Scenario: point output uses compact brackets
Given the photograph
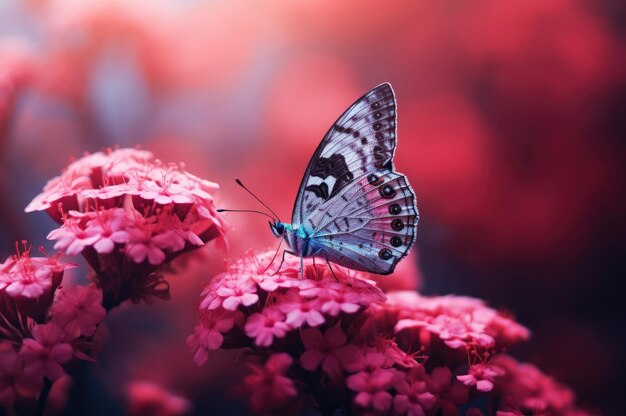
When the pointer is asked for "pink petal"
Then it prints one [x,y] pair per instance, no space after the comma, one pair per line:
[156,256]
[484,385]
[381,400]
[310,359]
[335,337]
[104,245]
[312,339]
[249,299]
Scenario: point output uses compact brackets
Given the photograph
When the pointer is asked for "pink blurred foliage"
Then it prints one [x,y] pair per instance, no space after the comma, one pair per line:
[148,398]
[334,341]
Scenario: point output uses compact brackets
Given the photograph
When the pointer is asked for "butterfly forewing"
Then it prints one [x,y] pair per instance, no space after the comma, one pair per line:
[362,214]
[363,139]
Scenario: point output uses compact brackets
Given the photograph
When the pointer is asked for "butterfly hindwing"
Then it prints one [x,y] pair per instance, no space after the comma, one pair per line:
[363,139]
[370,226]
[360,212]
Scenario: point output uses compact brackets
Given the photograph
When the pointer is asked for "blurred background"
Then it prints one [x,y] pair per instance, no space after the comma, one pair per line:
[512,132]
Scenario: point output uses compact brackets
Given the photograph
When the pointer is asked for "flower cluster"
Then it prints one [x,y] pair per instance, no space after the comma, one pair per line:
[43,325]
[334,339]
[128,215]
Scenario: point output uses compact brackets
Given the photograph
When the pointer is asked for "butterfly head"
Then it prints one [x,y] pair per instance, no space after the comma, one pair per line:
[277,227]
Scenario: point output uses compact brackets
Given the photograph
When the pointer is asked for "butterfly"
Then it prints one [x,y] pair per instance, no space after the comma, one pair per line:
[353,208]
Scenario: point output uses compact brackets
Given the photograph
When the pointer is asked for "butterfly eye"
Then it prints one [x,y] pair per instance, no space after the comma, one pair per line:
[397,224]
[385,254]
[394,209]
[387,191]
[372,179]
[396,241]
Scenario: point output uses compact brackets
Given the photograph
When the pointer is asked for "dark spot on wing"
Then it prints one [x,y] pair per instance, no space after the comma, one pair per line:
[385,254]
[334,166]
[320,191]
[356,134]
[364,141]
[397,224]
[387,191]
[379,152]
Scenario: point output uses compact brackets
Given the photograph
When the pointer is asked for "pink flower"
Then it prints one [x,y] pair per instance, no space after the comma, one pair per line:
[235,292]
[338,298]
[372,388]
[413,397]
[13,382]
[459,321]
[23,276]
[270,283]
[29,283]
[78,310]
[323,350]
[44,354]
[207,334]
[299,310]
[268,386]
[482,376]
[169,193]
[123,204]
[449,392]
[363,359]
[72,238]
[264,326]
[142,244]
[526,389]
[109,226]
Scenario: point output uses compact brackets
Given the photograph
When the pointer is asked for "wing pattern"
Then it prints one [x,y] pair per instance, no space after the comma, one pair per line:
[370,225]
[363,139]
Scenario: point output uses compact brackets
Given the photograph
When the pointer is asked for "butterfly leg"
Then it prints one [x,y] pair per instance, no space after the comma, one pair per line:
[283,260]
[327,262]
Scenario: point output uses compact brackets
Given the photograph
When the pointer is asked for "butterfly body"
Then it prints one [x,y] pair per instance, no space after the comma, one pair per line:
[353,208]
[298,238]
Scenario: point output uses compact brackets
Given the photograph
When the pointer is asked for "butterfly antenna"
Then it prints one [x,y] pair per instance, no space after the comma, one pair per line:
[255,197]
[245,210]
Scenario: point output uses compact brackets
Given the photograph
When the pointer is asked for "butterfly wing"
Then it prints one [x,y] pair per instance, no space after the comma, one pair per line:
[361,211]
[371,226]
[363,139]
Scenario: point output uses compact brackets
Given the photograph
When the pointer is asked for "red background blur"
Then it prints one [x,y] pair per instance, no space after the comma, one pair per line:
[511,132]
